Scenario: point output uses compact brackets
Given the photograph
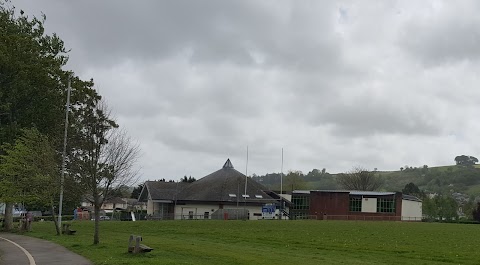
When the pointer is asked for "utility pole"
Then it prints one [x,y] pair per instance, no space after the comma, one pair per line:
[62,177]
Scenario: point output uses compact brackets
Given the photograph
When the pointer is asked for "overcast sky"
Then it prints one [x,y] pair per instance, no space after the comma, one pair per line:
[378,84]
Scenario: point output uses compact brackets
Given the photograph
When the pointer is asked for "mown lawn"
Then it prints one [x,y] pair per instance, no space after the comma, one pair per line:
[274,242]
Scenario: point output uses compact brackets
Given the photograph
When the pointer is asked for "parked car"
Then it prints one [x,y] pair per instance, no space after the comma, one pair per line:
[102,218]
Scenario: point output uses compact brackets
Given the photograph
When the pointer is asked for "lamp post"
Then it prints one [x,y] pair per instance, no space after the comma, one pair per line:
[64,154]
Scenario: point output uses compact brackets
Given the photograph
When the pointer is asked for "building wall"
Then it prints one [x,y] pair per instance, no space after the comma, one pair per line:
[150,207]
[111,206]
[378,216]
[328,203]
[160,210]
[194,211]
[198,211]
[411,210]
[335,205]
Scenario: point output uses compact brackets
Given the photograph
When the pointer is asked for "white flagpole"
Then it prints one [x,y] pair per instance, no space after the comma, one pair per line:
[281,176]
[246,176]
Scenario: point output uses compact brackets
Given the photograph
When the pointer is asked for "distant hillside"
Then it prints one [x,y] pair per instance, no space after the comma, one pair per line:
[443,179]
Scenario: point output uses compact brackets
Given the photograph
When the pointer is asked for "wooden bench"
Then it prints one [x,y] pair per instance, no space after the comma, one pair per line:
[134,245]
[66,229]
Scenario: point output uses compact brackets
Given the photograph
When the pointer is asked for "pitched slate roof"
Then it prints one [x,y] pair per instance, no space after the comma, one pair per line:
[225,185]
[115,200]
[161,190]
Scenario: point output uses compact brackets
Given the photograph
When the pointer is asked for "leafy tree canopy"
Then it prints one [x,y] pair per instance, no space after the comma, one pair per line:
[412,189]
[32,81]
[189,179]
[294,180]
[359,179]
[464,160]
[136,191]
[28,169]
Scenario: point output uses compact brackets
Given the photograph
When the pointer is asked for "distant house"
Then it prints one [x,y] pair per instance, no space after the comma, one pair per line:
[116,203]
[135,205]
[355,205]
[219,195]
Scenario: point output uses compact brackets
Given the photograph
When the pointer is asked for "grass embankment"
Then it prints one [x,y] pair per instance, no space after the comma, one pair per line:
[275,242]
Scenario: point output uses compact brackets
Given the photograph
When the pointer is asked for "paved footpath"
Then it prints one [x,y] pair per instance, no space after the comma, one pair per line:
[25,250]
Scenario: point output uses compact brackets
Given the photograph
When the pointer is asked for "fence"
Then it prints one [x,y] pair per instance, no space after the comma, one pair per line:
[305,217]
[363,218]
[178,217]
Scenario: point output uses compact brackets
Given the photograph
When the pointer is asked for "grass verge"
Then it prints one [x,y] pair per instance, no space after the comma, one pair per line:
[278,242]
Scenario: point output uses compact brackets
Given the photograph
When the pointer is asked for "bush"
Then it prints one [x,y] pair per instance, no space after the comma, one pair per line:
[476,213]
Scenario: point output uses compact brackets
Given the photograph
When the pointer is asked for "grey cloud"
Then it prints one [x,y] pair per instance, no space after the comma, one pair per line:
[206,138]
[215,31]
[445,36]
[367,118]
[335,84]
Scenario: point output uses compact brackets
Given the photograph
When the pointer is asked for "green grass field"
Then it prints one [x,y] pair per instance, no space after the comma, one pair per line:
[274,242]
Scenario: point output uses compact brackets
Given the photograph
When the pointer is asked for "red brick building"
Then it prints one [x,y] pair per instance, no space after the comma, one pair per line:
[355,205]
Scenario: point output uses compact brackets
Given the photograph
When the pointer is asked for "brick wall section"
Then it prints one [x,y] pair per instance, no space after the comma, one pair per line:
[328,203]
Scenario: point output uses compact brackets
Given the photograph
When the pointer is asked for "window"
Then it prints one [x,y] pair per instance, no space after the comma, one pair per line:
[355,204]
[232,195]
[246,196]
[385,205]
[301,202]
[258,196]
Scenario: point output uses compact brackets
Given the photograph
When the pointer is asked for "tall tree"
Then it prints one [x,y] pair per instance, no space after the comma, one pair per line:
[359,179]
[102,157]
[32,91]
[440,208]
[29,170]
[32,82]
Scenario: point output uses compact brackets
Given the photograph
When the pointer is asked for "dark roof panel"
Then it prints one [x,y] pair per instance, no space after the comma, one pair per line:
[161,190]
[220,184]
[215,187]
[228,164]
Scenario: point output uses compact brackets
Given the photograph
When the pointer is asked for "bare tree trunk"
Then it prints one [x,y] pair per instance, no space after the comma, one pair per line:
[8,218]
[96,239]
[55,222]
